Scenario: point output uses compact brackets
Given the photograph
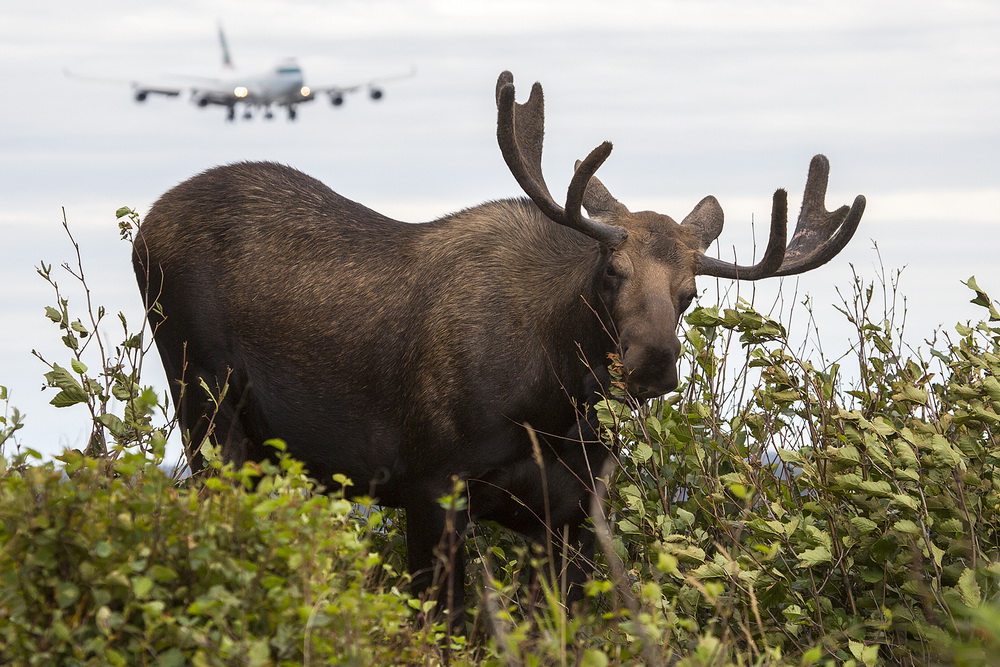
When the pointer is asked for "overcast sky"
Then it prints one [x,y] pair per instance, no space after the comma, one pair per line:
[723,97]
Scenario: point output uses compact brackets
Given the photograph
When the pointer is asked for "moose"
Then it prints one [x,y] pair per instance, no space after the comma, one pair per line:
[471,348]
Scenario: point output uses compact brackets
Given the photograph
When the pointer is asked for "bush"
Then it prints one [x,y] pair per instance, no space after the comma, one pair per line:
[118,565]
[791,515]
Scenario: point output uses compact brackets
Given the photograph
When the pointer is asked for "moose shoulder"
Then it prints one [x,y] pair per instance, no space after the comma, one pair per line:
[406,356]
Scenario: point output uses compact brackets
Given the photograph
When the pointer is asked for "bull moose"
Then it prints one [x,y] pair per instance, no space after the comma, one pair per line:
[406,356]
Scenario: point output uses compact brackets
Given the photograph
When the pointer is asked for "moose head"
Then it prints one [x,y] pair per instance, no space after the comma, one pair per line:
[650,262]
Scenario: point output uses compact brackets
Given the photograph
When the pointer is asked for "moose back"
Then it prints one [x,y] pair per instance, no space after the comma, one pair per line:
[408,356]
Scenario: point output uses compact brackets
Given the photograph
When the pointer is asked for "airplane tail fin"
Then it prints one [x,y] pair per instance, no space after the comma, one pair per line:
[227,60]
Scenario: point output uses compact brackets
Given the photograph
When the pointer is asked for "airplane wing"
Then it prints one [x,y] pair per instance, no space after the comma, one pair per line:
[141,90]
[337,92]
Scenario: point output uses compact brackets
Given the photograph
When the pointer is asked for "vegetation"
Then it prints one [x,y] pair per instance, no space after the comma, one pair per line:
[784,511]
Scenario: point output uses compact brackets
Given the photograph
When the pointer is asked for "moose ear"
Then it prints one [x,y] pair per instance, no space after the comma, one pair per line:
[705,221]
[600,203]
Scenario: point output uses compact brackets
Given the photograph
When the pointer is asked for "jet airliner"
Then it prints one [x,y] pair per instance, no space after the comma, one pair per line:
[284,86]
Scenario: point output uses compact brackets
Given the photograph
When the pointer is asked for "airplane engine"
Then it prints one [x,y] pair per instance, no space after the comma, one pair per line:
[336,99]
[140,95]
[375,93]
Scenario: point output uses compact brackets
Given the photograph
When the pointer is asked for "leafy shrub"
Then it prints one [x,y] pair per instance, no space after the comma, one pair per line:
[816,518]
[122,566]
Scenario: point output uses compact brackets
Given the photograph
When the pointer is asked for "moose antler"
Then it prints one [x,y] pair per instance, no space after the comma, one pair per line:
[520,131]
[819,234]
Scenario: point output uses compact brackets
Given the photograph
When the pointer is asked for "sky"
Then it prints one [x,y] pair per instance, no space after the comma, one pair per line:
[723,97]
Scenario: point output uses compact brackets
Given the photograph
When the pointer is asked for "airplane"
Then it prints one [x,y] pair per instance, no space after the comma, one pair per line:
[284,86]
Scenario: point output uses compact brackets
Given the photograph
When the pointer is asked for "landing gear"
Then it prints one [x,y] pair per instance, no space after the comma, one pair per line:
[268,114]
[291,113]
[230,113]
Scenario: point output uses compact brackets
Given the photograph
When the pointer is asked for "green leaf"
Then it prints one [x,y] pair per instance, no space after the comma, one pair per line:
[812,655]
[594,658]
[937,553]
[992,387]
[982,299]
[162,573]
[944,453]
[72,392]
[66,398]
[853,482]
[813,557]
[141,586]
[868,655]
[67,593]
[848,454]
[904,452]
[172,657]
[786,396]
[684,517]
[704,317]
[642,452]
[863,525]
[113,423]
[882,426]
[968,588]
[906,501]
[789,456]
[912,394]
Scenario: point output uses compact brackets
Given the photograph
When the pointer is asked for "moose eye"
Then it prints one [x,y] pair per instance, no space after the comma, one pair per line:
[685,303]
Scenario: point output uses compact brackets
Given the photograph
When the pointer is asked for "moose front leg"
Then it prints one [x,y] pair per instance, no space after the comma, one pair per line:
[549,505]
[435,541]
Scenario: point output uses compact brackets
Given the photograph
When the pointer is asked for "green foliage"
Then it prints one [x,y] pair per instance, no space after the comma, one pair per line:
[815,519]
[114,379]
[114,563]
[11,420]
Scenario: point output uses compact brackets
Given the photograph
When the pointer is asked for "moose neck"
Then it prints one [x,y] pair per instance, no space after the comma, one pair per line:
[545,280]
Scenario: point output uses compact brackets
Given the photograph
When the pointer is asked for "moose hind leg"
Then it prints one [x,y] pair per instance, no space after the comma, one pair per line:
[211,407]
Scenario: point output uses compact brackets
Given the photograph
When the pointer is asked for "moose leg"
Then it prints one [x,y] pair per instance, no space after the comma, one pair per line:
[435,540]
[550,504]
[211,405]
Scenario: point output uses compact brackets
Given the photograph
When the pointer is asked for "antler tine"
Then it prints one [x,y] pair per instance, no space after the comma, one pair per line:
[611,235]
[819,234]
[774,254]
[520,133]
